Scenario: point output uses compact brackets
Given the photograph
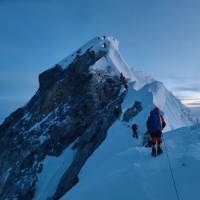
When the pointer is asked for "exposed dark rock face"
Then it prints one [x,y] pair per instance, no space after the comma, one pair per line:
[133,111]
[70,103]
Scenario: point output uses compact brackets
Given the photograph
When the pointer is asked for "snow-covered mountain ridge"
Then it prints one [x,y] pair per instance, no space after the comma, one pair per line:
[71,114]
[161,95]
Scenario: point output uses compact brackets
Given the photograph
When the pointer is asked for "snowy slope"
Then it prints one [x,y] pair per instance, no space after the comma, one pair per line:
[121,168]
[131,173]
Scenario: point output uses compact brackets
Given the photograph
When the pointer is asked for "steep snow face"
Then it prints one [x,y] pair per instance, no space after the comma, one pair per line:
[176,114]
[159,93]
[140,78]
[156,95]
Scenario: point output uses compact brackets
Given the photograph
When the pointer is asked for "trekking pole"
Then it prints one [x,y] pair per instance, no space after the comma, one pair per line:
[171,169]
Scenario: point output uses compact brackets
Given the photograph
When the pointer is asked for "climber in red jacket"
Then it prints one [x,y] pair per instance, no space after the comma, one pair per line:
[134,128]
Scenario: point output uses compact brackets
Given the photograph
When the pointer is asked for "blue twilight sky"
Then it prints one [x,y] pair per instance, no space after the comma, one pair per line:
[159,37]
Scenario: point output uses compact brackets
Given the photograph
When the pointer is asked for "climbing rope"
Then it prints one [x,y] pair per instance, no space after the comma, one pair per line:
[171,170]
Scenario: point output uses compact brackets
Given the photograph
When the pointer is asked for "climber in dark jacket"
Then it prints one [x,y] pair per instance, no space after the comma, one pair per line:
[122,78]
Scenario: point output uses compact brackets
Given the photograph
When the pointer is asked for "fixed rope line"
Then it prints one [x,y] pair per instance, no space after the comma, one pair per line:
[171,171]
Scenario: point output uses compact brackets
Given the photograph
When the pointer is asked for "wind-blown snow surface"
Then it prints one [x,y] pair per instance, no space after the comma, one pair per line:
[121,168]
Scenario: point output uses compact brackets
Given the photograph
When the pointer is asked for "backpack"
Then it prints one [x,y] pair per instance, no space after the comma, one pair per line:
[155,123]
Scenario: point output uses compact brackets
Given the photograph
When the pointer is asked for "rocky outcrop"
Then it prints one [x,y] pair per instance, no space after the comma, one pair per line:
[70,103]
[132,112]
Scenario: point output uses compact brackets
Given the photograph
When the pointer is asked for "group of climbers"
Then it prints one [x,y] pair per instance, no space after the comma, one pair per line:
[155,124]
[118,110]
[123,80]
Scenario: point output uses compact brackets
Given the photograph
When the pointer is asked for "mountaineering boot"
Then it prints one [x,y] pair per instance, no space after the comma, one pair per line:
[153,153]
[159,149]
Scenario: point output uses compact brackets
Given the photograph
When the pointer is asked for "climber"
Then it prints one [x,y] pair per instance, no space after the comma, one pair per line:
[104,45]
[155,125]
[125,81]
[122,78]
[126,86]
[134,128]
[117,111]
